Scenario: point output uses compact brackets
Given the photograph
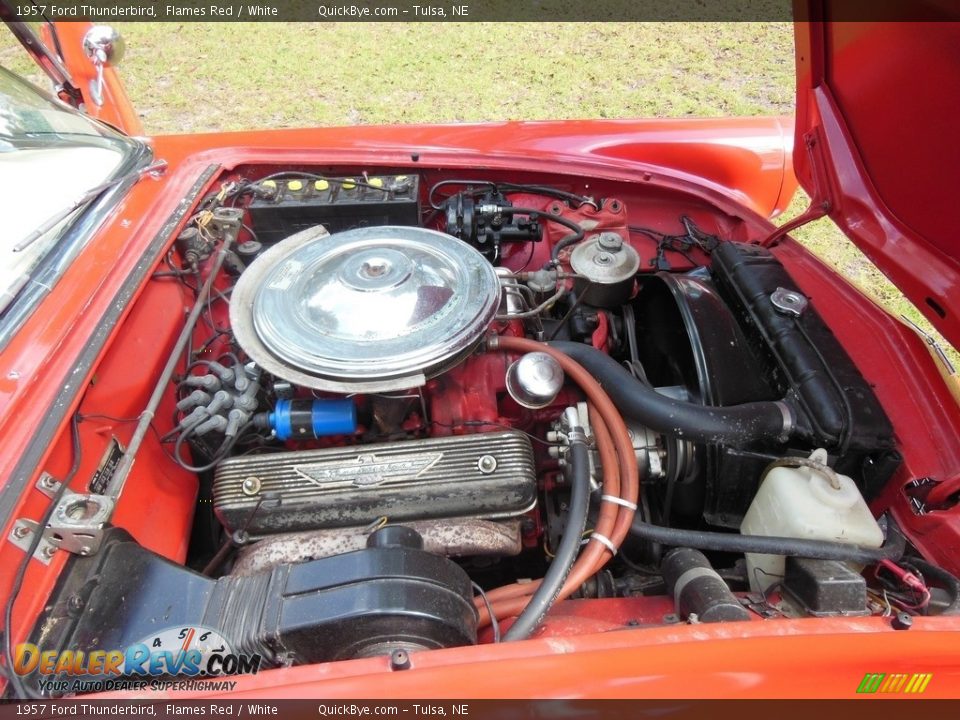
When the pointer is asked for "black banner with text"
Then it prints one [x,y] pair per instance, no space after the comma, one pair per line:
[103,11]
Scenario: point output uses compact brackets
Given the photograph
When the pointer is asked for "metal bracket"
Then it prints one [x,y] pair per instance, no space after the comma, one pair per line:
[22,535]
[759,604]
[76,524]
[48,484]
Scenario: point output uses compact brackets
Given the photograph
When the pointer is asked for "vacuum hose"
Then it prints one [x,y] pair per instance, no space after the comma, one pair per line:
[892,548]
[950,583]
[737,426]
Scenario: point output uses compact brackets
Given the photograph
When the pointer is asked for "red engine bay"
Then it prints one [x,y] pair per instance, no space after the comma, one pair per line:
[408,411]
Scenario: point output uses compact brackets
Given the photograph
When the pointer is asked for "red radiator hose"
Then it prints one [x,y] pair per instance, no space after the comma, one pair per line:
[620,480]
[595,556]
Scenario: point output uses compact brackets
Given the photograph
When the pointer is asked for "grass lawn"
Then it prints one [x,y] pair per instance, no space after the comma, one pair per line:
[194,77]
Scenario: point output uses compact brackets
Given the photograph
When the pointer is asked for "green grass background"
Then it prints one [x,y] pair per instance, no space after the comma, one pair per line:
[194,77]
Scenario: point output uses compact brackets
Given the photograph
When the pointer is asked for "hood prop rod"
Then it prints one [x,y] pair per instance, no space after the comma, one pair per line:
[816,211]
[228,222]
[820,199]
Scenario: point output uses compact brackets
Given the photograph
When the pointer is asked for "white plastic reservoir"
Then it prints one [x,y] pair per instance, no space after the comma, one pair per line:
[805,503]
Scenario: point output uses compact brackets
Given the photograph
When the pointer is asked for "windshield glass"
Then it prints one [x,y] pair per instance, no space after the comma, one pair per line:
[50,155]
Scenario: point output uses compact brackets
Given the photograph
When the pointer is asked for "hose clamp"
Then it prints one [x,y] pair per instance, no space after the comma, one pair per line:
[788,424]
[605,541]
[618,501]
[686,578]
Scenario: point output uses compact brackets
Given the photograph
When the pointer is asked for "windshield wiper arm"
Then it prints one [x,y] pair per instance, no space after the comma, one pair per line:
[49,59]
[155,169]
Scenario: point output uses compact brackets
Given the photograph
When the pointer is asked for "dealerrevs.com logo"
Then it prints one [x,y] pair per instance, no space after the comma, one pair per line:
[176,658]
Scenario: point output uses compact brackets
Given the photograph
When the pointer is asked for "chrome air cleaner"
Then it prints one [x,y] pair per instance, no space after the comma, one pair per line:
[366,310]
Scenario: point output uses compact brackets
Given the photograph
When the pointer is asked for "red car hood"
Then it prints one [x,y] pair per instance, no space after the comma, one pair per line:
[876,144]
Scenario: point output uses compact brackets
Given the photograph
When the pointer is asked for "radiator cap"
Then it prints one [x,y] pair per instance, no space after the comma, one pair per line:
[365,310]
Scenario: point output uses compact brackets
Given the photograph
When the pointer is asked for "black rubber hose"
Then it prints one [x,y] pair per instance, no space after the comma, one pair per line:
[948,581]
[556,576]
[737,426]
[892,548]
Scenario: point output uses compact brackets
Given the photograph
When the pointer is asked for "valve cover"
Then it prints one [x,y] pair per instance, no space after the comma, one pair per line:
[485,475]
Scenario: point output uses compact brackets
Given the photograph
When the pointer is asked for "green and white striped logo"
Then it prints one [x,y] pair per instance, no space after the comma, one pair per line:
[894,683]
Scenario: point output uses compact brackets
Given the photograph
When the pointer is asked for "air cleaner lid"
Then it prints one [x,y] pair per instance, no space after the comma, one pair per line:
[368,309]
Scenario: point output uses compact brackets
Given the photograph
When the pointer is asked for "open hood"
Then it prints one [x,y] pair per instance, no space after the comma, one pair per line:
[877,146]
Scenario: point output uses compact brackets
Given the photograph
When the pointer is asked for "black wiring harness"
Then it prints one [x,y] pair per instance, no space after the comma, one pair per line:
[693,238]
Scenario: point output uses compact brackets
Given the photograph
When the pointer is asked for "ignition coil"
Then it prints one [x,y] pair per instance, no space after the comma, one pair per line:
[302,419]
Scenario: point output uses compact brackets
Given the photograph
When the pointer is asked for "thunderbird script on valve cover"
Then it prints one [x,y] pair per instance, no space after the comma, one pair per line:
[395,395]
